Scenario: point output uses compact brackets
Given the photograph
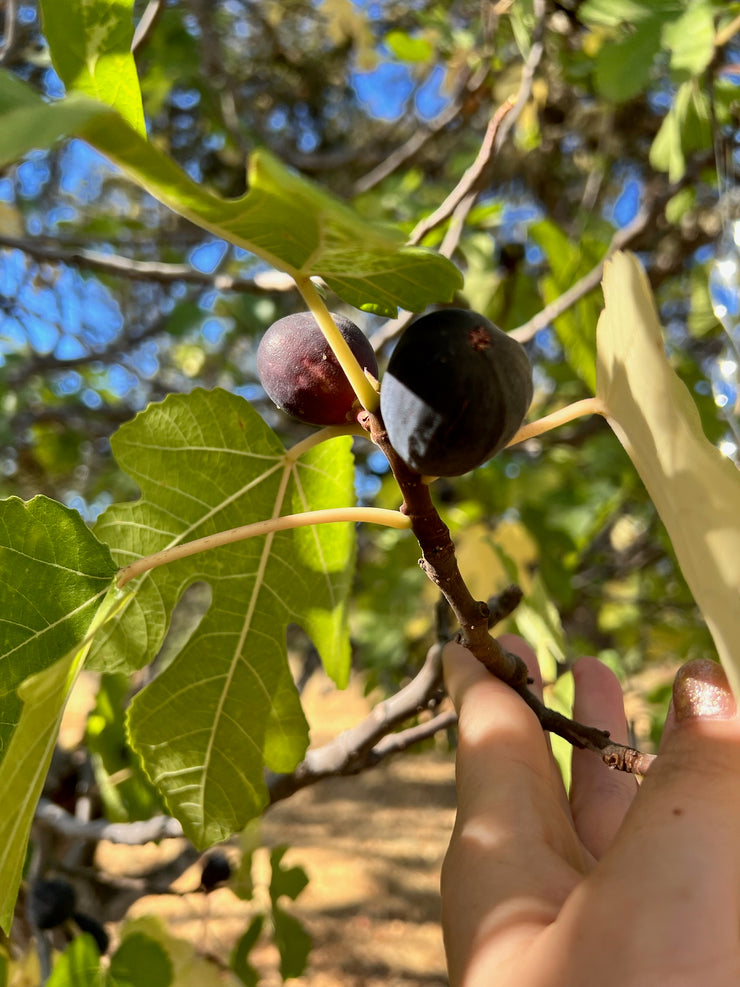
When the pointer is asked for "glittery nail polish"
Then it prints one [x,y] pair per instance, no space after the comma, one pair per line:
[700,689]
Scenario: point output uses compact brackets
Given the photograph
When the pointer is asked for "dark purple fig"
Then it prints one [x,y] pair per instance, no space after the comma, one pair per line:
[86,923]
[216,871]
[456,391]
[52,902]
[299,371]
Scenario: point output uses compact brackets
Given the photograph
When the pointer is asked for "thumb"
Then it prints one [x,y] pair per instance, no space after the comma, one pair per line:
[680,839]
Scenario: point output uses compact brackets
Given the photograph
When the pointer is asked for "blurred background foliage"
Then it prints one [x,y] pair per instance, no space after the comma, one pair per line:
[626,132]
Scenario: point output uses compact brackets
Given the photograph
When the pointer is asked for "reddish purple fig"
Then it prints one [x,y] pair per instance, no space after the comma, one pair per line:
[299,371]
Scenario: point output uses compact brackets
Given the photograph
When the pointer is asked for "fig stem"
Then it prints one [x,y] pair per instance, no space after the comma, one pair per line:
[588,406]
[323,435]
[375,515]
[366,393]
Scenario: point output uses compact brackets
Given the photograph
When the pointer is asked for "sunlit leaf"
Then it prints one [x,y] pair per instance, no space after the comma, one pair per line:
[41,696]
[90,46]
[691,38]
[79,966]
[175,958]
[226,705]
[623,67]
[696,490]
[53,577]
[366,264]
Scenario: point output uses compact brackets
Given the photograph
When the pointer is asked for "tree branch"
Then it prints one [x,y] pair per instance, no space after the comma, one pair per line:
[462,198]
[139,270]
[130,834]
[439,562]
[422,135]
[363,745]
[9,30]
[147,23]
[585,284]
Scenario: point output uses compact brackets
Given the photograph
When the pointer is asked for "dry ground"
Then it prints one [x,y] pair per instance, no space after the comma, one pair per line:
[372,846]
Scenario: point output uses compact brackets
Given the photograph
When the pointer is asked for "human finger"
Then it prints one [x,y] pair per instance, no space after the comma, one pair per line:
[675,863]
[600,796]
[513,856]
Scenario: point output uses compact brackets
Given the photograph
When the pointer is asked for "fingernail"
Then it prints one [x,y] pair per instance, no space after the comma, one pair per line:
[700,689]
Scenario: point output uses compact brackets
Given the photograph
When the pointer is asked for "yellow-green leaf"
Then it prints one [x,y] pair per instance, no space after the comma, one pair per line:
[696,490]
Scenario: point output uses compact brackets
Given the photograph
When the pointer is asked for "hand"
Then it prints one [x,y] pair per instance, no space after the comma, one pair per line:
[620,884]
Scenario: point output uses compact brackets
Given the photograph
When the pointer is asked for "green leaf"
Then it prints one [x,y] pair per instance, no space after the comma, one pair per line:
[408,48]
[239,959]
[78,966]
[685,128]
[285,881]
[612,13]
[286,220]
[293,943]
[623,67]
[576,328]
[125,791]
[226,705]
[695,489]
[140,961]
[42,697]
[53,577]
[690,39]
[90,46]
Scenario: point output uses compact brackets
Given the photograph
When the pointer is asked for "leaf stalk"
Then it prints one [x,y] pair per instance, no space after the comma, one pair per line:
[367,395]
[376,515]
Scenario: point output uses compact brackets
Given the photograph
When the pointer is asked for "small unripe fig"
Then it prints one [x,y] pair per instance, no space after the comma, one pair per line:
[456,390]
[299,371]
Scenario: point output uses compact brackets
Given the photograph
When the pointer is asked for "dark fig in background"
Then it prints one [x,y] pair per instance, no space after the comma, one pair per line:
[456,391]
[52,902]
[299,371]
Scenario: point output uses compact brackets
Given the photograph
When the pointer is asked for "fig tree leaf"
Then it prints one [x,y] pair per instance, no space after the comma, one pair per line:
[286,220]
[623,67]
[575,328]
[78,966]
[90,46]
[225,706]
[41,698]
[125,791]
[184,966]
[53,577]
[691,38]
[695,489]
[140,961]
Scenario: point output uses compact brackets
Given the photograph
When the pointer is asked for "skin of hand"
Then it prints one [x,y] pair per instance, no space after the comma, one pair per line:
[616,885]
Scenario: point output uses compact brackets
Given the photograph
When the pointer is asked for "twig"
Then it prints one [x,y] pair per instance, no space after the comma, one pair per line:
[587,406]
[439,562]
[130,834]
[422,135]
[463,197]
[363,745]
[470,179]
[585,284]
[727,33]
[146,25]
[140,270]
[9,30]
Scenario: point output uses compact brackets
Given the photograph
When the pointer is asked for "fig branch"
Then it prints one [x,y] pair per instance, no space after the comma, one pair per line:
[439,562]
